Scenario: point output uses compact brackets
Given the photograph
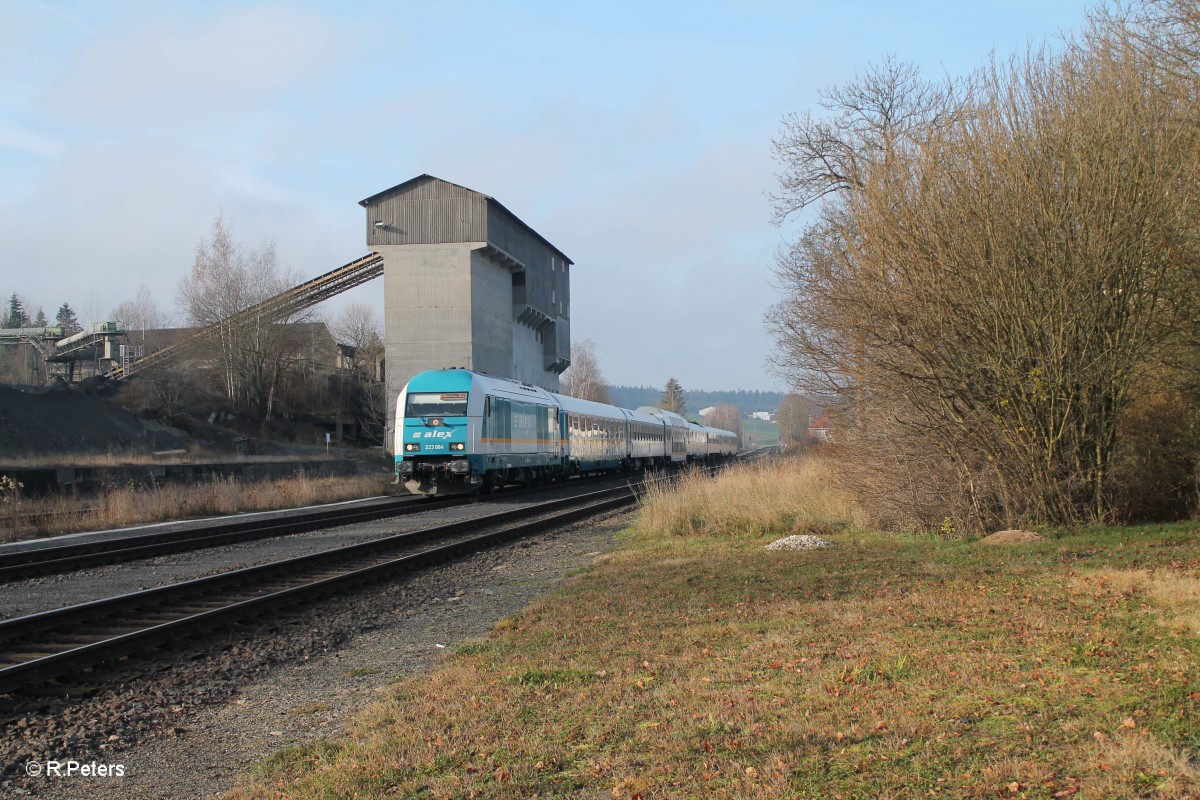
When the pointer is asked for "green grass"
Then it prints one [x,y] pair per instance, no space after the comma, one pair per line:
[359,672]
[761,432]
[701,665]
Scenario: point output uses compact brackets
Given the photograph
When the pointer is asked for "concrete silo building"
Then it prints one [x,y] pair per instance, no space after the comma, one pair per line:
[467,284]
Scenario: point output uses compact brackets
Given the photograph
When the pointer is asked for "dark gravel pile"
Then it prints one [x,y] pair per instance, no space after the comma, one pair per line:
[36,421]
[192,728]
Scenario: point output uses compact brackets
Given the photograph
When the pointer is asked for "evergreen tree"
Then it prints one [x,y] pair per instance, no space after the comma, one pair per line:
[672,398]
[66,318]
[40,320]
[16,313]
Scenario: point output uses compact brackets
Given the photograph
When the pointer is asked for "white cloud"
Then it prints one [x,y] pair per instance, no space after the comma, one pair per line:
[109,217]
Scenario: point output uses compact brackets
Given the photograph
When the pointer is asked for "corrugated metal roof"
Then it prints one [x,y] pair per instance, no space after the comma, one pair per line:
[400,187]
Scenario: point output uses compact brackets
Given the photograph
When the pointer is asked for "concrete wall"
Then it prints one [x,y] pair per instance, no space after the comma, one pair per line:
[491,316]
[528,358]
[427,312]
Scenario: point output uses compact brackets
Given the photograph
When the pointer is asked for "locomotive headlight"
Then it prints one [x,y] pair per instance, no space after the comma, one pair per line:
[459,467]
[411,448]
[457,446]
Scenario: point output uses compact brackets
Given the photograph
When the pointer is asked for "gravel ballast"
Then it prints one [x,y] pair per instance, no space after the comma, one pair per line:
[34,595]
[191,729]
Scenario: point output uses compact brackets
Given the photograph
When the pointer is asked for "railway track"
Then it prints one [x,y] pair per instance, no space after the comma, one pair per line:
[57,559]
[39,648]
[66,557]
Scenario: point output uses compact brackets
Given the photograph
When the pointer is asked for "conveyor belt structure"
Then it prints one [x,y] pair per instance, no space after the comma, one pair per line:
[279,307]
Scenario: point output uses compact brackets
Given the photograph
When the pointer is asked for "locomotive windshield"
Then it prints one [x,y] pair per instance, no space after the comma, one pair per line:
[436,404]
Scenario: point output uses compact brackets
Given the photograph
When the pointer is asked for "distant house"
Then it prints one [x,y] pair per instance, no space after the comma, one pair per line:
[704,412]
[763,415]
[819,430]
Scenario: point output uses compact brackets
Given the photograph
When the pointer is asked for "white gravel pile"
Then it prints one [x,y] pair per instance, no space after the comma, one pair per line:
[801,541]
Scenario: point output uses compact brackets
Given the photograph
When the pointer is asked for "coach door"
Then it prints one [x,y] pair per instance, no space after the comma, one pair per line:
[563,437]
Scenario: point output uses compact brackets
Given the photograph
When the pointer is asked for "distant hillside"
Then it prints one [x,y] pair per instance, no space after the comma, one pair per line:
[746,402]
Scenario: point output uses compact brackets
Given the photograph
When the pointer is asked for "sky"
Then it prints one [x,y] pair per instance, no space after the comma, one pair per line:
[634,136]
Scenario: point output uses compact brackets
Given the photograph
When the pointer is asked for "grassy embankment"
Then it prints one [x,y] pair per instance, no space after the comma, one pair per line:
[27,517]
[694,663]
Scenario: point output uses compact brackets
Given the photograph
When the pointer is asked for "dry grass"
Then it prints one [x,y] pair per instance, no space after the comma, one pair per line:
[776,498]
[119,459]
[1176,593]
[133,504]
[694,663]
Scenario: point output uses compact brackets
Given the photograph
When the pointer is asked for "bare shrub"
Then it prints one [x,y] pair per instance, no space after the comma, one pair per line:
[983,298]
[10,505]
[1154,466]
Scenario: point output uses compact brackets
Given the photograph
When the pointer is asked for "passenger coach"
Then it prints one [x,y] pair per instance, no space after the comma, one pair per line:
[459,431]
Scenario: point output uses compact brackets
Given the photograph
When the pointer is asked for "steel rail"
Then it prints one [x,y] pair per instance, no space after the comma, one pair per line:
[31,562]
[49,644]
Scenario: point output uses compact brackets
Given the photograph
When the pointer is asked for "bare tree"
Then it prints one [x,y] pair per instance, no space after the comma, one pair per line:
[139,315]
[792,418]
[91,312]
[982,308]
[359,327]
[225,279]
[583,379]
[883,114]
[726,417]
[1165,34]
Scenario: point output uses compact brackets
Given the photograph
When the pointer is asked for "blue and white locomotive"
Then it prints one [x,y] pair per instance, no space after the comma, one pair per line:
[459,431]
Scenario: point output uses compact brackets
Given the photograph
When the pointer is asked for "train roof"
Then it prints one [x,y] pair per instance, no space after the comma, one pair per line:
[573,405]
[669,417]
[465,380]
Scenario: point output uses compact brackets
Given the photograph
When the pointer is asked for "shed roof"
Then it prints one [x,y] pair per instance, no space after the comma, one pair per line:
[402,186]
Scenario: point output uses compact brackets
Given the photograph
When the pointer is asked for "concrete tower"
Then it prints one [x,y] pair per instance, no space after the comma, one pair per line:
[467,284]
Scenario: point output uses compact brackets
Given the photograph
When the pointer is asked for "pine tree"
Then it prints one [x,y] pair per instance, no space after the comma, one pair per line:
[16,313]
[672,398]
[66,318]
[40,320]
